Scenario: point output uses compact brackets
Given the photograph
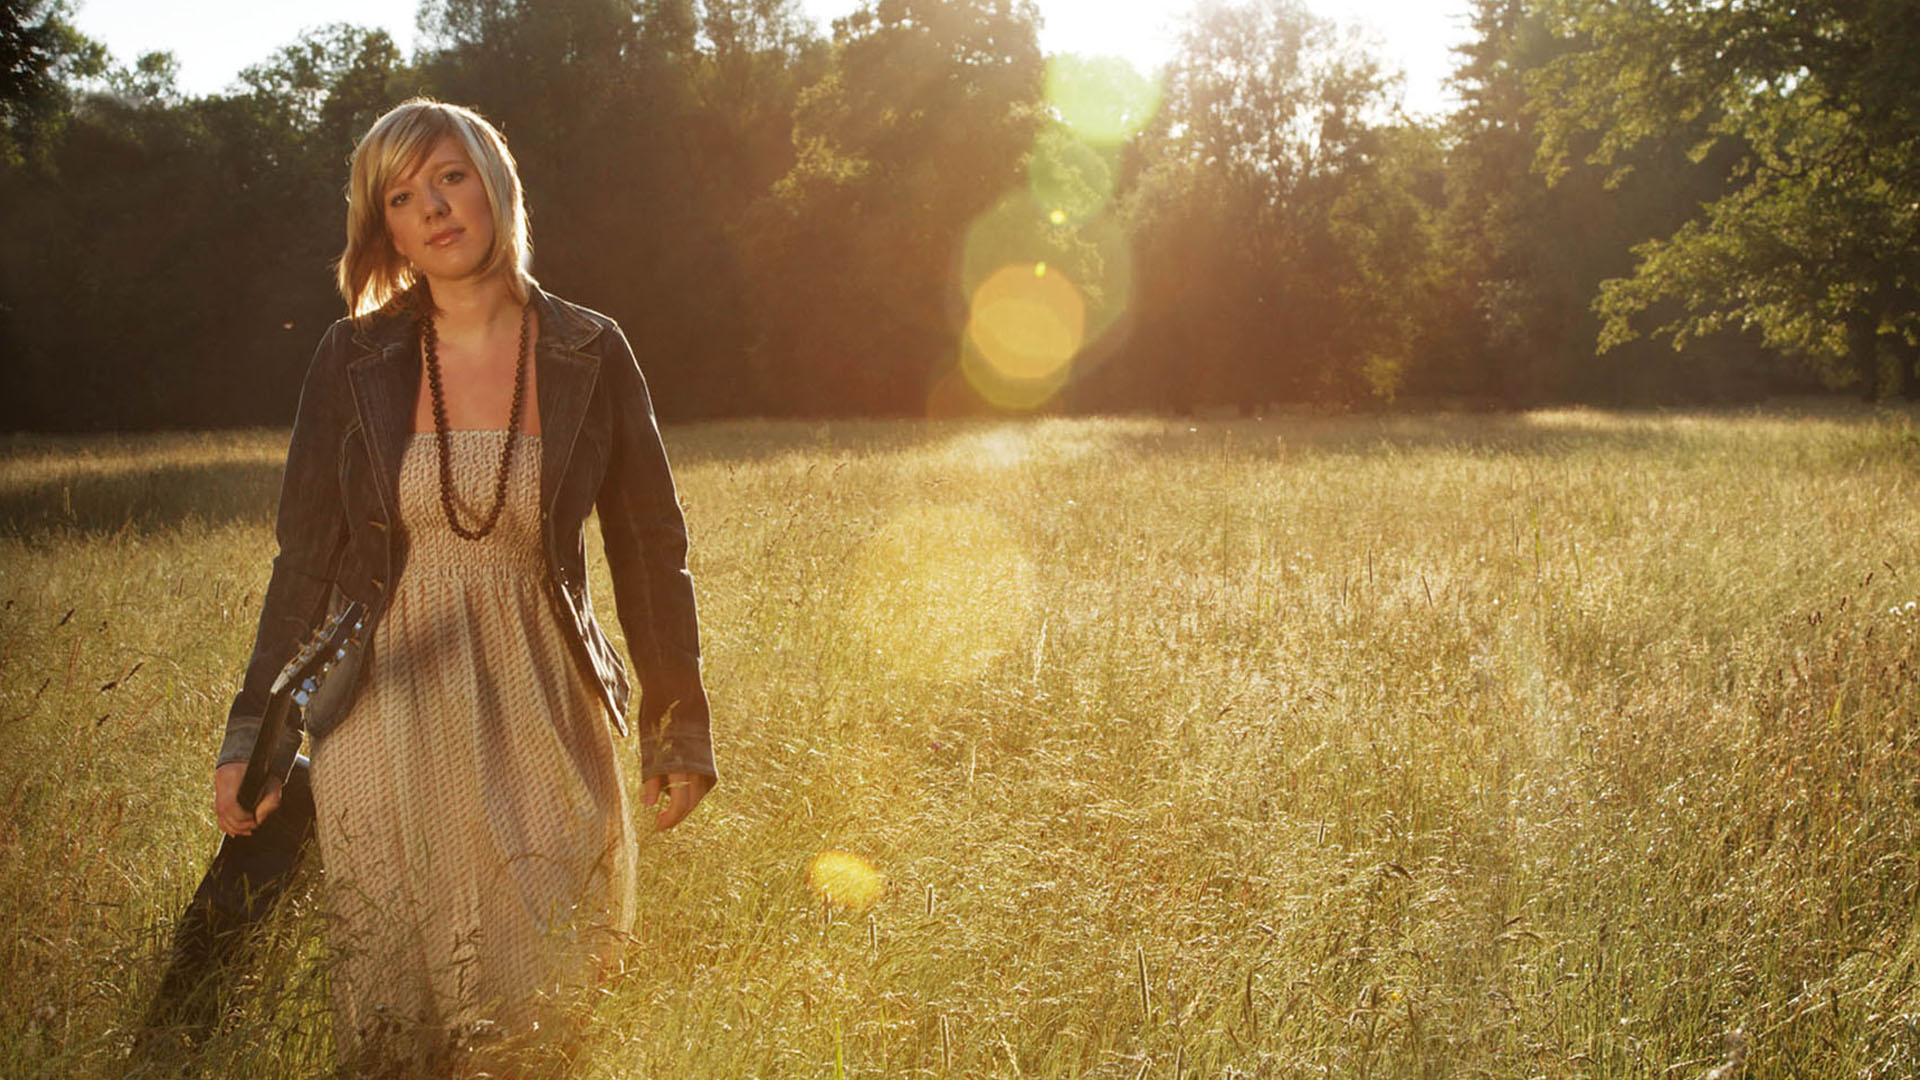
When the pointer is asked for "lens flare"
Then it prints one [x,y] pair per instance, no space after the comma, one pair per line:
[845,880]
[1095,256]
[1073,180]
[1103,99]
[1037,297]
[1004,390]
[940,593]
[1027,322]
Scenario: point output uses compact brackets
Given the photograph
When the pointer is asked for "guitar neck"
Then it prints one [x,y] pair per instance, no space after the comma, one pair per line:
[300,678]
[260,767]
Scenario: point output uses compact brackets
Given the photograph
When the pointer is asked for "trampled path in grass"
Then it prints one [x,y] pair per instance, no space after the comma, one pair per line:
[1569,744]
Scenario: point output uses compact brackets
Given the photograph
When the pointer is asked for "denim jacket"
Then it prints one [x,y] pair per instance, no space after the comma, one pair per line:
[600,448]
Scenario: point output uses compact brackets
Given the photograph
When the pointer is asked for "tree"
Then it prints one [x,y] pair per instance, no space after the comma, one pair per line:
[924,120]
[41,57]
[643,132]
[171,264]
[1281,236]
[1814,245]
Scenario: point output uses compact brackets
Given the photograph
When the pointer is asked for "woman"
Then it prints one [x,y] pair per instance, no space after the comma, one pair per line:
[452,436]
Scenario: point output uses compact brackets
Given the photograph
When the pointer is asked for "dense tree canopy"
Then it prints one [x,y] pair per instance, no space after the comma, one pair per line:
[1282,239]
[919,123]
[41,55]
[1813,242]
[918,212]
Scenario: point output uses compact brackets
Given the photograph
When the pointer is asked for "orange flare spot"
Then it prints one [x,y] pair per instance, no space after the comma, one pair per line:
[845,880]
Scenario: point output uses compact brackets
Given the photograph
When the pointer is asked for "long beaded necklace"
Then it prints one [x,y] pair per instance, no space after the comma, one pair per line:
[430,341]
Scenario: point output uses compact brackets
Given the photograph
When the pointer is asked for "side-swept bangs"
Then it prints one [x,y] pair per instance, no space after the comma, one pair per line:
[370,272]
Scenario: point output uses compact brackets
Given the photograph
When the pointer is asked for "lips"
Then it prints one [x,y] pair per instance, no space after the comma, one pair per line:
[444,237]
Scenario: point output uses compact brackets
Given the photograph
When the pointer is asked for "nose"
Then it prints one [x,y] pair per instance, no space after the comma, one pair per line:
[436,203]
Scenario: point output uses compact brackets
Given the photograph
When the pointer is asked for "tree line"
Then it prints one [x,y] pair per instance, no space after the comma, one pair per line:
[920,213]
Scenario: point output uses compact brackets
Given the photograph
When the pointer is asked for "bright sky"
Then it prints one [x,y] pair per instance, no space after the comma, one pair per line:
[214,39]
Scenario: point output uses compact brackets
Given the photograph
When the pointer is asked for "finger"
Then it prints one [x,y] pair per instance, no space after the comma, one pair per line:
[682,798]
[226,814]
[698,790]
[269,801]
[226,803]
[235,821]
[685,790]
[651,792]
[670,812]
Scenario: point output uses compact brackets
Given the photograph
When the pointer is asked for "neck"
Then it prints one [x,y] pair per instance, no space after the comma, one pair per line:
[469,306]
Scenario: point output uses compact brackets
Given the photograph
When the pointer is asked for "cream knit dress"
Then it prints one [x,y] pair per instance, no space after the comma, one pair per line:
[473,822]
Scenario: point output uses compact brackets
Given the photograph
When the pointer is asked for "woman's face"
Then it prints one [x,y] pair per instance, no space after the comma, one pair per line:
[438,217]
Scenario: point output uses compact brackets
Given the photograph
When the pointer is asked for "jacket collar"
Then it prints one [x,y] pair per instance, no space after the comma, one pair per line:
[560,324]
[385,376]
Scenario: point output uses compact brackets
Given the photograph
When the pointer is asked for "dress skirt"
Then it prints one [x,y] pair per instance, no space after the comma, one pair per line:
[473,826]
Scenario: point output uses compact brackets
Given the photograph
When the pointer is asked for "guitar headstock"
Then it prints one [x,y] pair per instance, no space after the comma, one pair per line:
[328,646]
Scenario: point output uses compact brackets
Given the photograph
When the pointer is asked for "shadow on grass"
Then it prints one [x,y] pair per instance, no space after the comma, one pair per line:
[1856,436]
[743,442]
[104,497]
[103,502]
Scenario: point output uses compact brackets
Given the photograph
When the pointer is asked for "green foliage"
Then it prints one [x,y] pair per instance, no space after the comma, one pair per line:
[1286,245]
[170,264]
[1498,223]
[923,121]
[783,223]
[643,132]
[1814,246]
[336,79]
[41,57]
[1528,252]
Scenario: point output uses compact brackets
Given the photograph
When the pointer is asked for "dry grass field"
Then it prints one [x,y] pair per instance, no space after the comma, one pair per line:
[1566,744]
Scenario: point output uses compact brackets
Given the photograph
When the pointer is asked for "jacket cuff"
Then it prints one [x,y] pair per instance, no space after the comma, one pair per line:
[697,764]
[242,733]
[680,740]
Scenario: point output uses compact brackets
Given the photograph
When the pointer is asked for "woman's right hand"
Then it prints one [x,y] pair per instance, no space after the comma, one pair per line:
[226,800]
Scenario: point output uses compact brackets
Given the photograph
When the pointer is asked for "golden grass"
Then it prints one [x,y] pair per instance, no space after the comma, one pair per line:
[1571,744]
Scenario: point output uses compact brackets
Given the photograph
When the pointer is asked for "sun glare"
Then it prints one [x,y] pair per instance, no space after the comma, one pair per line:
[1102,99]
[1075,182]
[845,880]
[1048,272]
[939,593]
[1027,326]
[1038,294]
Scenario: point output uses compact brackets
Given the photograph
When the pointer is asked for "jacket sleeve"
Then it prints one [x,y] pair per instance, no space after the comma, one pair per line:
[646,540]
[311,529]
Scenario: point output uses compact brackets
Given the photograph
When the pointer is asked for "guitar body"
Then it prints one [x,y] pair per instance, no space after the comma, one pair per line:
[215,935]
[248,875]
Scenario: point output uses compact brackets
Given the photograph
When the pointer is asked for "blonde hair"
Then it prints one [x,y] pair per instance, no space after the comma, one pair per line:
[370,272]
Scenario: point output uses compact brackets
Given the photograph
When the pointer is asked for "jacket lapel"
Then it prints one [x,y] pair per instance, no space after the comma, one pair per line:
[386,382]
[566,375]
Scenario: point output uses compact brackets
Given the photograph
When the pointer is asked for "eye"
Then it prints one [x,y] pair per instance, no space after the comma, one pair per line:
[396,199]
[453,176]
